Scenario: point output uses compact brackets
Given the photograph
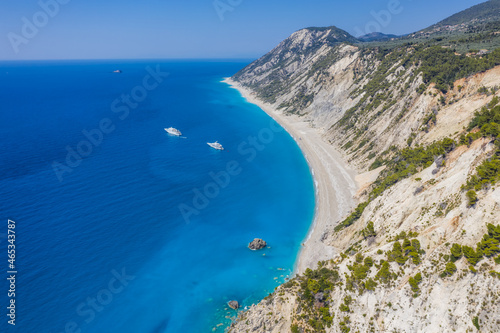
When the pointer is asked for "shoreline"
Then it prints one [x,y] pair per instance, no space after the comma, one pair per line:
[334,181]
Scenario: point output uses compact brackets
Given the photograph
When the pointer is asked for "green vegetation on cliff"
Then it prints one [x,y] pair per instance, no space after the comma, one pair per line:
[488,173]
[488,247]
[443,66]
[406,162]
[409,161]
[436,64]
[314,300]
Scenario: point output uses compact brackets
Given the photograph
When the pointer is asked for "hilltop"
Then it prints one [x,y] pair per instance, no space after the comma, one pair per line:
[483,12]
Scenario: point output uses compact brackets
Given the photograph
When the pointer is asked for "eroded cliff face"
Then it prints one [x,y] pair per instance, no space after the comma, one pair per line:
[430,207]
[327,85]
[306,75]
[426,213]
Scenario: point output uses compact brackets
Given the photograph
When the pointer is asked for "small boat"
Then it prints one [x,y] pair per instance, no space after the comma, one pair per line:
[215,145]
[173,131]
[117,71]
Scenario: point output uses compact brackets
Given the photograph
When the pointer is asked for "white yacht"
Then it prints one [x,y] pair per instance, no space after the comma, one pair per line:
[173,131]
[215,145]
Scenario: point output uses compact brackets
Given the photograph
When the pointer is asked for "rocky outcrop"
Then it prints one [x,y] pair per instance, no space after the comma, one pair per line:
[233,305]
[257,244]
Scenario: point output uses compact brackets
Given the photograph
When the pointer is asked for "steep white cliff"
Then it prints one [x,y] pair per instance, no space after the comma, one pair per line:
[326,86]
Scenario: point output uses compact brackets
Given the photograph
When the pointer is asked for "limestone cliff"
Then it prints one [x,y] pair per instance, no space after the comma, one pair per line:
[422,251]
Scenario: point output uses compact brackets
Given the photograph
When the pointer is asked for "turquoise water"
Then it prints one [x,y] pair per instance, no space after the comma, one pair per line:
[123,228]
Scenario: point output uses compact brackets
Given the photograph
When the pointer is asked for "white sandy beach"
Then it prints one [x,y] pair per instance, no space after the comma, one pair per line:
[333,178]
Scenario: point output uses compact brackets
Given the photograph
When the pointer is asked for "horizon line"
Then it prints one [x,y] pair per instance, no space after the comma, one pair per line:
[127,59]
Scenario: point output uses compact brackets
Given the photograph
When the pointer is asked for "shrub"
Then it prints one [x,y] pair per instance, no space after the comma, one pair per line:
[414,282]
[325,316]
[449,270]
[377,163]
[368,262]
[490,244]
[343,325]
[359,258]
[361,271]
[493,231]
[344,307]
[430,118]
[289,284]
[495,274]
[397,254]
[353,217]
[472,256]
[313,286]
[416,245]
[482,90]
[456,252]
[369,231]
[421,88]
[472,198]
[407,245]
[475,322]
[384,273]
[370,284]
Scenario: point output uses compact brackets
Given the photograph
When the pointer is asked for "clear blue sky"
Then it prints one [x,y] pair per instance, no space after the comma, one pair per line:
[92,29]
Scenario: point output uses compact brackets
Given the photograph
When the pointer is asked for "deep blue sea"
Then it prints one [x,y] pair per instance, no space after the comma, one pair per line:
[122,228]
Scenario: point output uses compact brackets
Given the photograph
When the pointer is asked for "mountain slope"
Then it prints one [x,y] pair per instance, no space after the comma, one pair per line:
[486,11]
[421,252]
[475,27]
[288,61]
[376,36]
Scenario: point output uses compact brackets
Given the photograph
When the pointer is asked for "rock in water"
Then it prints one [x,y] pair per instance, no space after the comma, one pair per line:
[257,244]
[233,305]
